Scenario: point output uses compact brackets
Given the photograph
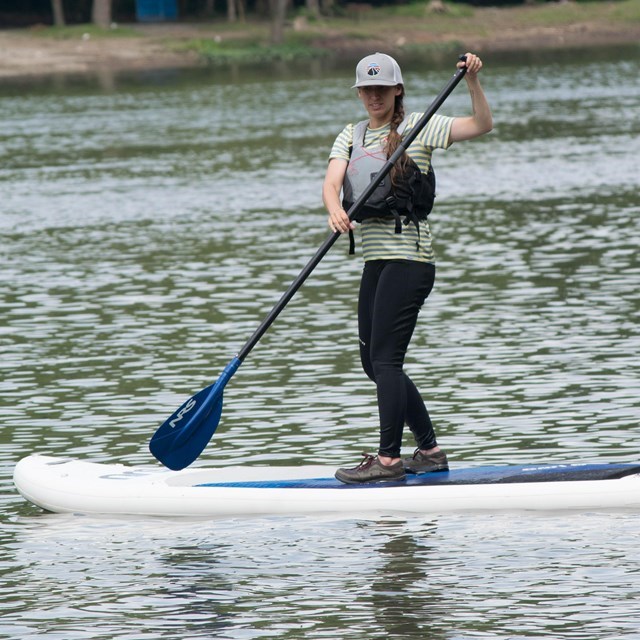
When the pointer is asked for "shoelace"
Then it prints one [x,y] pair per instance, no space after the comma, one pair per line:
[367,462]
[435,457]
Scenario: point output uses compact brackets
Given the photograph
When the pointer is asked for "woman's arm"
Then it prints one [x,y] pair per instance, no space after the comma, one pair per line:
[481,122]
[331,188]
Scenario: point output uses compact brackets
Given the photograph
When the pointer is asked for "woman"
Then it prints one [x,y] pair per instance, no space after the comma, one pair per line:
[399,268]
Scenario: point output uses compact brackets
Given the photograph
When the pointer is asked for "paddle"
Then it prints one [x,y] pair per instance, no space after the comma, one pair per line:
[183,437]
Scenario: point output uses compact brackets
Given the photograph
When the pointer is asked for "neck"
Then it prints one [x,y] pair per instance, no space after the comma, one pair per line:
[376,123]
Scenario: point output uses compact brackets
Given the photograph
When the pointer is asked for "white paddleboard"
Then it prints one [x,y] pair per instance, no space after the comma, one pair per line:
[65,485]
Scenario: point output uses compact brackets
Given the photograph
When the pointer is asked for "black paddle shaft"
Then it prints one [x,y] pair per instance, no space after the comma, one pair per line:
[357,205]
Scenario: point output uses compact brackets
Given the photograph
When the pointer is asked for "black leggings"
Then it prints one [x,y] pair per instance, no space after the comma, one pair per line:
[391,295]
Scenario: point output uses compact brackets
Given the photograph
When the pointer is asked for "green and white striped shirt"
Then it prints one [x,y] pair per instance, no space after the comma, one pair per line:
[379,239]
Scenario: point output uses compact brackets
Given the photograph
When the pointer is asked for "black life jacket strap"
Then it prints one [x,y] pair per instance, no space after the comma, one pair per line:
[393,207]
[412,217]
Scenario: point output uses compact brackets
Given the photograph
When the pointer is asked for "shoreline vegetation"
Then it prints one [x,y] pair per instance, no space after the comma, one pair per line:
[419,27]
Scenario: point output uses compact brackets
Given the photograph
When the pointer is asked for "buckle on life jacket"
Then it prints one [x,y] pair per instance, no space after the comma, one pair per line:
[410,216]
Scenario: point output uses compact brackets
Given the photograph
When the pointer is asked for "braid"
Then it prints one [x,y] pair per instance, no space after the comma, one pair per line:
[394,139]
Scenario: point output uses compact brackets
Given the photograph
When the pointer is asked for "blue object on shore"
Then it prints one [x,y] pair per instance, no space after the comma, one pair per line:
[156,10]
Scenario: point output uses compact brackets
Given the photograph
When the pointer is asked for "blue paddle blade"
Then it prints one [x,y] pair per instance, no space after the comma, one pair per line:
[183,437]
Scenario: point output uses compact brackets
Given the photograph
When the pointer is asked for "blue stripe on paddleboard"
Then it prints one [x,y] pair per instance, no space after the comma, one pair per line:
[477,475]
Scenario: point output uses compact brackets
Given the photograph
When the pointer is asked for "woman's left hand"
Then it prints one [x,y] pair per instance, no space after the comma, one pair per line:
[473,64]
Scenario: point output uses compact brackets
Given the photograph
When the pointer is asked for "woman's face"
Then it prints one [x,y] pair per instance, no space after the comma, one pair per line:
[379,102]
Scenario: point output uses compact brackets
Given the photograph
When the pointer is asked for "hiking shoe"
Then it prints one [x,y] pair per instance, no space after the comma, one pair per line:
[371,470]
[426,463]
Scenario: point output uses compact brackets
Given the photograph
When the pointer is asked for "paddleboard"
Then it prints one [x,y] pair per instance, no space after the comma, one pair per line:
[64,485]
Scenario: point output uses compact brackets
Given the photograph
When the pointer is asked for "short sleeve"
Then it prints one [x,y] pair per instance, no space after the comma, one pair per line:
[435,135]
[437,132]
[340,148]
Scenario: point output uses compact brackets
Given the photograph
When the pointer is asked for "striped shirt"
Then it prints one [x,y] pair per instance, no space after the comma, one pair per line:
[379,239]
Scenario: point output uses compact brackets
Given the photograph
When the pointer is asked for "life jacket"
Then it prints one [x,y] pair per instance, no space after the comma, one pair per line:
[410,196]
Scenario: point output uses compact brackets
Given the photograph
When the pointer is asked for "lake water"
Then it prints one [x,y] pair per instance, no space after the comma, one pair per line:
[147,226]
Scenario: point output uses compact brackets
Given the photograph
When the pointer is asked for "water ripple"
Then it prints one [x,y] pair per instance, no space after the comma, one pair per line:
[141,246]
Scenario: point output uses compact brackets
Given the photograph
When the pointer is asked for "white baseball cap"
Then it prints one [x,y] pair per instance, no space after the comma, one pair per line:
[378,69]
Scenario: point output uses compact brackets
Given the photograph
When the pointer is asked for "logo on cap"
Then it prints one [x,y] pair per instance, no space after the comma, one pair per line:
[373,69]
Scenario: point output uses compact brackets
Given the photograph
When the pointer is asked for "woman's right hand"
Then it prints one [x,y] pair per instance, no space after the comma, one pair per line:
[339,220]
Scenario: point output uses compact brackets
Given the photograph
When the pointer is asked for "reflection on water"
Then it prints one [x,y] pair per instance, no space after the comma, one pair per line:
[489,576]
[145,232]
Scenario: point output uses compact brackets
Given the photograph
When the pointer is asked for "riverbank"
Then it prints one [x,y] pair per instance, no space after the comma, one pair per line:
[415,27]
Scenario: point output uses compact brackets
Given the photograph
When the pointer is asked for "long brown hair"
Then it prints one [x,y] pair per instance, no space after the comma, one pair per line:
[394,139]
